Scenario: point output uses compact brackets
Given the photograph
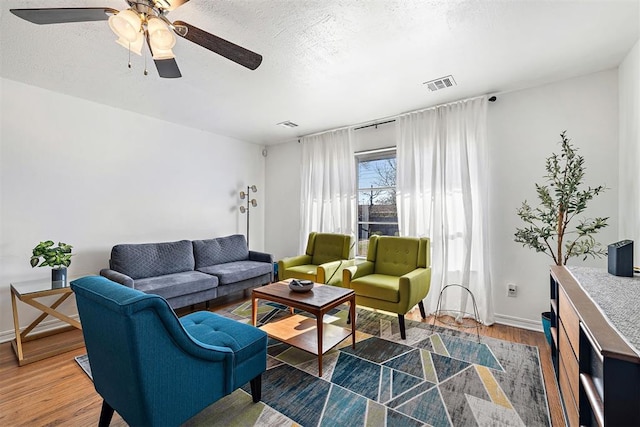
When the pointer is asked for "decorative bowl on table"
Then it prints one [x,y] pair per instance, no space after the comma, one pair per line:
[301,285]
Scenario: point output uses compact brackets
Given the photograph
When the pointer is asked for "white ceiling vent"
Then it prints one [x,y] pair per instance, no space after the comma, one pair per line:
[441,83]
[287,124]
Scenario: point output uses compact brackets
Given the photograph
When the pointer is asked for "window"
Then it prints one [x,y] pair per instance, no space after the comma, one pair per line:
[377,211]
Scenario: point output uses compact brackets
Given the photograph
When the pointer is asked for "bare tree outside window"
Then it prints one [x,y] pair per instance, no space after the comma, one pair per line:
[377,211]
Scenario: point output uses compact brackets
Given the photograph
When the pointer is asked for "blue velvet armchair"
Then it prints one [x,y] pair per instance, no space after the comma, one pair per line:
[155,369]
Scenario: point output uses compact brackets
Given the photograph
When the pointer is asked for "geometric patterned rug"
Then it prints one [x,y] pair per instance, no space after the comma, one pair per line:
[436,377]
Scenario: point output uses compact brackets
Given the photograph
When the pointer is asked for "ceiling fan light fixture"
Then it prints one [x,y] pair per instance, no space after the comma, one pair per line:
[162,53]
[135,47]
[161,38]
[126,25]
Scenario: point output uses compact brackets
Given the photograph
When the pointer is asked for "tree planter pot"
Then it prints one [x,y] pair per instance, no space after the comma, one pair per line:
[59,277]
[546,325]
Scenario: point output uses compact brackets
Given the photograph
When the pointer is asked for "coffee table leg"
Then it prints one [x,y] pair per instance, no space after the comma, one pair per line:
[254,310]
[352,310]
[320,332]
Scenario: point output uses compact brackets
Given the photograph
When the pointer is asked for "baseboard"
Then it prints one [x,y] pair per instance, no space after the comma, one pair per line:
[48,325]
[518,322]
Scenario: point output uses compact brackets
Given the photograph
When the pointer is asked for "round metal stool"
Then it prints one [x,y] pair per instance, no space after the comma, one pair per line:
[473,316]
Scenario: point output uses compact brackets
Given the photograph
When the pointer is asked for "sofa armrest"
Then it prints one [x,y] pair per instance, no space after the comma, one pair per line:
[415,286]
[117,277]
[350,273]
[285,263]
[260,257]
[330,273]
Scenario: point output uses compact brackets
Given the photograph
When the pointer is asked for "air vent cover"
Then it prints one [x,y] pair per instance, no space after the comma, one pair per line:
[287,124]
[441,83]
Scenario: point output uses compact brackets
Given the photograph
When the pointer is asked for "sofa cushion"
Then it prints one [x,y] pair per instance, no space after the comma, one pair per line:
[177,284]
[220,250]
[143,260]
[232,272]
[378,286]
[304,272]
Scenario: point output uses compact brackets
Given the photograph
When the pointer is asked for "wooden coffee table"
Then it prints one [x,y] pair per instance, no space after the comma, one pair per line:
[301,331]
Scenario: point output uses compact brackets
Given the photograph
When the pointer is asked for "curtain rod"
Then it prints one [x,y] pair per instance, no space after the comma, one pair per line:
[391,119]
[375,124]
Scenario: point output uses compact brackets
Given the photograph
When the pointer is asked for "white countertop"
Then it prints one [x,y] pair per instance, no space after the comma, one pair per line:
[618,298]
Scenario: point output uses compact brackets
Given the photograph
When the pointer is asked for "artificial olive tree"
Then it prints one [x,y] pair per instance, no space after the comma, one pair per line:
[562,198]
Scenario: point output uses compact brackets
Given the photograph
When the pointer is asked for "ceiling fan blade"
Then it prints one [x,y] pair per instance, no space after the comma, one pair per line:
[168,68]
[61,15]
[231,51]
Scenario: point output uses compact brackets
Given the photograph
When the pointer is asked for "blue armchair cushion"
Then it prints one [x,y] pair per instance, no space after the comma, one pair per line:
[237,271]
[139,261]
[220,250]
[247,342]
[177,284]
[213,329]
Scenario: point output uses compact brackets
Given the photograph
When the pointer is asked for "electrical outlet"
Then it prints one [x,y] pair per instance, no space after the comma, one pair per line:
[512,290]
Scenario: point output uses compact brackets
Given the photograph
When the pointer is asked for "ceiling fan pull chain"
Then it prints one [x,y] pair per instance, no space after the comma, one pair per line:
[129,65]
[146,37]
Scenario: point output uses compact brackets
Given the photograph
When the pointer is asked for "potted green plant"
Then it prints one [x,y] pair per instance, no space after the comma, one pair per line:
[549,228]
[57,257]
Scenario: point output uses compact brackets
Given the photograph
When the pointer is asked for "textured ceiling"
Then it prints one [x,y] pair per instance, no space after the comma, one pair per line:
[327,63]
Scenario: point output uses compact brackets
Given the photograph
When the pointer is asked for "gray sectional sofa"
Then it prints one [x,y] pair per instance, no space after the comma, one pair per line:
[190,272]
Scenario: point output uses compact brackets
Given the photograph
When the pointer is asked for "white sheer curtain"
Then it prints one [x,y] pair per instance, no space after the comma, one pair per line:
[328,184]
[442,194]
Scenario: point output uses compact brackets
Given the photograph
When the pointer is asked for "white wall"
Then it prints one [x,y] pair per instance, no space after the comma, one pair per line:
[283,199]
[629,200]
[523,129]
[94,176]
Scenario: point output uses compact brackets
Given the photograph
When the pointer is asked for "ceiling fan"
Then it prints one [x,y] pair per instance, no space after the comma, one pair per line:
[146,20]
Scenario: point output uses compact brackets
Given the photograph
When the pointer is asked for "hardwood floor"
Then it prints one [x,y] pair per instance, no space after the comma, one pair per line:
[55,391]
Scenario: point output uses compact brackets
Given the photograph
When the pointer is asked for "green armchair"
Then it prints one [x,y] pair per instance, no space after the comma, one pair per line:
[395,277]
[326,256]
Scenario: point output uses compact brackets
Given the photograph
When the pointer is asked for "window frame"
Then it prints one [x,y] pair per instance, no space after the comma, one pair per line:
[369,155]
